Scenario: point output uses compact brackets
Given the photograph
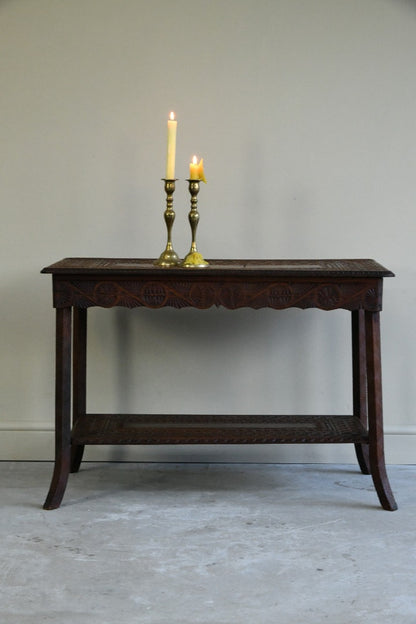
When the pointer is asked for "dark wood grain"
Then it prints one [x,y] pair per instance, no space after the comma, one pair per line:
[62,409]
[375,412]
[231,293]
[359,382]
[79,393]
[279,268]
[216,429]
[232,284]
[354,285]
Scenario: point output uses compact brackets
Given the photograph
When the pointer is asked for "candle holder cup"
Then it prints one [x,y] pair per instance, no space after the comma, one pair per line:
[194,259]
[169,258]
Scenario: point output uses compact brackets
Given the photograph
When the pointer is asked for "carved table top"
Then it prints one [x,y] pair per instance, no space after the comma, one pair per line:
[325,284]
[351,268]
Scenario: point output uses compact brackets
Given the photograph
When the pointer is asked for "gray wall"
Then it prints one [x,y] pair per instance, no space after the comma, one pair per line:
[304,112]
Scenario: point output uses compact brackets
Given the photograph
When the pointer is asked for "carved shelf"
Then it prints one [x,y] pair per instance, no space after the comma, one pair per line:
[206,429]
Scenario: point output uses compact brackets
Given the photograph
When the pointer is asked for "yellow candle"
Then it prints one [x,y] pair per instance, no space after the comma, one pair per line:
[196,169]
[171,153]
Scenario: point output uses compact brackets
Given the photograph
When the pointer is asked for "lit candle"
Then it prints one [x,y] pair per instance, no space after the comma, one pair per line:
[171,153]
[196,169]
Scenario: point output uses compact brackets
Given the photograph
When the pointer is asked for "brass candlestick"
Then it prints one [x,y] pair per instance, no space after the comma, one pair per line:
[194,259]
[169,257]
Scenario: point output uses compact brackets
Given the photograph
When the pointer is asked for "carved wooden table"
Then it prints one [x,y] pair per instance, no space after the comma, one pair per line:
[354,285]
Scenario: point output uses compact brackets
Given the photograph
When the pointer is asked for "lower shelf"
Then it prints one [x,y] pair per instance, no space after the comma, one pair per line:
[216,429]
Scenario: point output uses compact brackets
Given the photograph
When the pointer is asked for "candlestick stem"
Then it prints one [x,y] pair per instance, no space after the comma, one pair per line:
[168,257]
[194,259]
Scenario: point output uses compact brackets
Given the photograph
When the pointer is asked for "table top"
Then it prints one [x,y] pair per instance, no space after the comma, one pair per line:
[217,268]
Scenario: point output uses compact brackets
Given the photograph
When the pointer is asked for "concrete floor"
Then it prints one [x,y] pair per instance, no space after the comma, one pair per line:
[211,544]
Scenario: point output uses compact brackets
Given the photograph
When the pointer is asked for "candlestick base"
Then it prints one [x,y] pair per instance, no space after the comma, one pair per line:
[194,260]
[168,257]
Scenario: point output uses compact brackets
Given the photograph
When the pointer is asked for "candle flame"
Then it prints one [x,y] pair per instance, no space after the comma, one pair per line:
[195,160]
[172,116]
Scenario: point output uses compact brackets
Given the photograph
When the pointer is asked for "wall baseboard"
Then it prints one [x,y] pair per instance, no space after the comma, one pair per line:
[36,443]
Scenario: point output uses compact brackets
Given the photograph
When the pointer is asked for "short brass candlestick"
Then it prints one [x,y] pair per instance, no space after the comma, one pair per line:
[194,259]
[169,257]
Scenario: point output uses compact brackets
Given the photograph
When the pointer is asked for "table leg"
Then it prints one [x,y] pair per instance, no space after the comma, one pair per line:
[79,406]
[359,383]
[62,409]
[375,412]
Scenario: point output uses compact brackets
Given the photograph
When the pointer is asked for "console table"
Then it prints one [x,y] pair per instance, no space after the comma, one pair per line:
[354,285]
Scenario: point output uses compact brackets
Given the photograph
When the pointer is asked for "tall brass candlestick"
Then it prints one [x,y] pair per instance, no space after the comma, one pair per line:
[169,257]
[194,259]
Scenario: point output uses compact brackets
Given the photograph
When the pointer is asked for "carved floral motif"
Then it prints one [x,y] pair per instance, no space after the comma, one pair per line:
[328,297]
[231,294]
